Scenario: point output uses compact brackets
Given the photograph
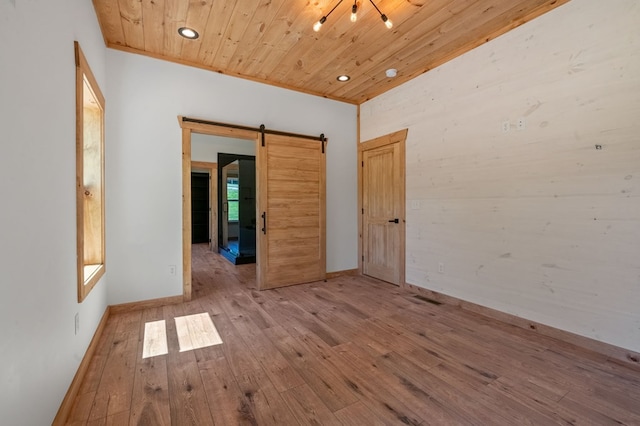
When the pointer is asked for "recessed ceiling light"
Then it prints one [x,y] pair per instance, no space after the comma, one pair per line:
[391,72]
[188,33]
[343,77]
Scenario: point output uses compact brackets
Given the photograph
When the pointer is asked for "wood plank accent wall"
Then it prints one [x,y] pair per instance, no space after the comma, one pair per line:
[523,172]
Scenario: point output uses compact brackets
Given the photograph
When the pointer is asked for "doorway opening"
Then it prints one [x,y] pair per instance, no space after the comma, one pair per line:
[289,196]
[210,169]
[381,188]
[200,207]
[237,204]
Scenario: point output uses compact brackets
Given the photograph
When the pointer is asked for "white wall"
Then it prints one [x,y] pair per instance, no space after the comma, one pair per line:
[39,351]
[207,147]
[533,222]
[144,192]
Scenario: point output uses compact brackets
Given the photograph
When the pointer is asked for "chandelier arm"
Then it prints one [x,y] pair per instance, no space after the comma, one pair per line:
[374,5]
[334,8]
[354,10]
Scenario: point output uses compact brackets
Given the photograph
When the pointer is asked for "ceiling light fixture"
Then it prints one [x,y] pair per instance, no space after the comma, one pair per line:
[188,33]
[354,15]
[343,78]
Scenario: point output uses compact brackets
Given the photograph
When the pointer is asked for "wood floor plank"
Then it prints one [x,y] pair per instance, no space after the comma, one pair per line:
[442,347]
[625,394]
[226,401]
[408,402]
[352,351]
[264,400]
[606,405]
[210,352]
[315,298]
[150,401]
[333,392]
[81,408]
[102,421]
[113,420]
[431,396]
[280,372]
[187,396]
[155,339]
[358,414]
[242,304]
[234,348]
[568,413]
[96,367]
[584,411]
[288,312]
[196,331]
[428,320]
[508,413]
[308,408]
[121,419]
[114,392]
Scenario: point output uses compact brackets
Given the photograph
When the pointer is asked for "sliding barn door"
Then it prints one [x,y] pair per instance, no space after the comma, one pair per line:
[291,211]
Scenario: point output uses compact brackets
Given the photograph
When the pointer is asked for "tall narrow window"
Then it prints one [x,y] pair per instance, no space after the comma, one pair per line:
[89,176]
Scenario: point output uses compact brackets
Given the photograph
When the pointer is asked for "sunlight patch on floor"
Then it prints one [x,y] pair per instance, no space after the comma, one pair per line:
[155,339]
[196,331]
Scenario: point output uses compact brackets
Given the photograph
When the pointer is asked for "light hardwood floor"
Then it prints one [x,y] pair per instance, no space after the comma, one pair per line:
[351,351]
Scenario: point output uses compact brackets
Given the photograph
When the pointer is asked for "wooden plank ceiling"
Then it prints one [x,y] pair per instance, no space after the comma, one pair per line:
[272,41]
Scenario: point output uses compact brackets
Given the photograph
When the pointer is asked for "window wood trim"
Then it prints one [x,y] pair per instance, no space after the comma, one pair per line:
[84,73]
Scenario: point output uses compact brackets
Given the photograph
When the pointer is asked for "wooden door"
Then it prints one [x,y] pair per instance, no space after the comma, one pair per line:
[383,209]
[291,211]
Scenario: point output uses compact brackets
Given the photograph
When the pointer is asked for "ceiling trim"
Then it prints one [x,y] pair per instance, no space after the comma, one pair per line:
[232,74]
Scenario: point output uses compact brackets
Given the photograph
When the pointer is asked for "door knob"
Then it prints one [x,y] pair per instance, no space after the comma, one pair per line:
[396,220]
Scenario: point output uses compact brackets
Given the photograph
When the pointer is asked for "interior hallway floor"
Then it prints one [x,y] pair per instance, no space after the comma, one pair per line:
[350,351]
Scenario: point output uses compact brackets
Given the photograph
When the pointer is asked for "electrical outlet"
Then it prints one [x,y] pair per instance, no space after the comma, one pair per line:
[441,267]
[172,269]
[77,322]
[415,204]
[522,123]
[506,126]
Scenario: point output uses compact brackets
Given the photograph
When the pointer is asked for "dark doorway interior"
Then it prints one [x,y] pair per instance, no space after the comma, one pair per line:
[237,207]
[200,208]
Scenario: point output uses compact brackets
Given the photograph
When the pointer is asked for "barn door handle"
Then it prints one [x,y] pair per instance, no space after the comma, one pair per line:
[264,222]
[396,220]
